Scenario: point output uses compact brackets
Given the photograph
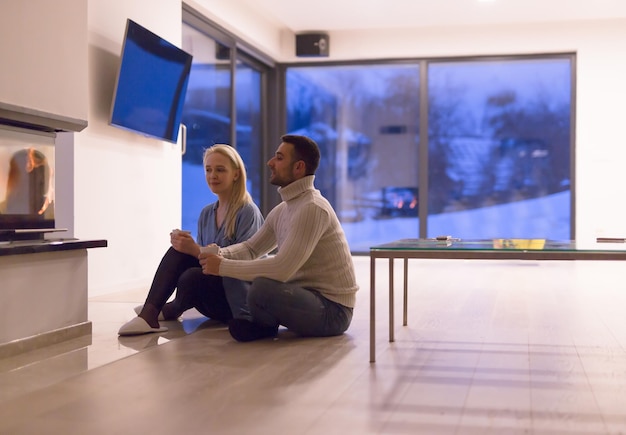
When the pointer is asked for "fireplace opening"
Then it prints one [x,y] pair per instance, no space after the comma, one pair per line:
[26,185]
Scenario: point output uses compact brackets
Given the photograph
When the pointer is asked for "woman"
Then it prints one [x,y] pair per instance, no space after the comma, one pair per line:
[232,219]
[29,190]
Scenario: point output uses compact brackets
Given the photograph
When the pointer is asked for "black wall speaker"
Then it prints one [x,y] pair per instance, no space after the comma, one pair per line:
[222,52]
[312,45]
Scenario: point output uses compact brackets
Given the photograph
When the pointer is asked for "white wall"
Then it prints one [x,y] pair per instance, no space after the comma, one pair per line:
[127,188]
[42,69]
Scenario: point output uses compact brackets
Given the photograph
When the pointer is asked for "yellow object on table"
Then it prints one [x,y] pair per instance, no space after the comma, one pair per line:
[519,243]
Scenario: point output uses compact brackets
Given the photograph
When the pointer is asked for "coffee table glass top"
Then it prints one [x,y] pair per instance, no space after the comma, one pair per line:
[454,244]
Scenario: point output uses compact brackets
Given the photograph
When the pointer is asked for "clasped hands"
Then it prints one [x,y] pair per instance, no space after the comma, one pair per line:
[210,261]
[183,242]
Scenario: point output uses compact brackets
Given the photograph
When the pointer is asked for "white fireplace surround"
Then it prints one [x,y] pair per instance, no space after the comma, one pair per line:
[44,292]
[61,162]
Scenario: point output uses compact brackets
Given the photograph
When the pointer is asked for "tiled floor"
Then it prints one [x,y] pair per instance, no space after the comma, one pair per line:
[491,347]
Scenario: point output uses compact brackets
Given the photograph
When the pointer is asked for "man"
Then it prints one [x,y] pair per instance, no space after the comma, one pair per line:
[309,285]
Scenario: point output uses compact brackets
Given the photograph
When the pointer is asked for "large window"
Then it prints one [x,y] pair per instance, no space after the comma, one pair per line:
[499,148]
[365,119]
[468,147]
[493,154]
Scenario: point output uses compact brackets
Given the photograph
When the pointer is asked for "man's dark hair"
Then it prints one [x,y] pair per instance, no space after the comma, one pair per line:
[306,150]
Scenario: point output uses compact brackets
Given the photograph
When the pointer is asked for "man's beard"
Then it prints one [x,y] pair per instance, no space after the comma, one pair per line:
[280,182]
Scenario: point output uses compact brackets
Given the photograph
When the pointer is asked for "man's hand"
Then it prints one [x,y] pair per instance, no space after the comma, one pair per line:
[210,263]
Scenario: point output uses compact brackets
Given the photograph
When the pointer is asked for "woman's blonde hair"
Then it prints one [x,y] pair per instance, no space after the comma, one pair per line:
[240,195]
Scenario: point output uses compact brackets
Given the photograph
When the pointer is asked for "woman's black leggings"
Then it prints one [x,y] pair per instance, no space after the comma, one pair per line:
[182,273]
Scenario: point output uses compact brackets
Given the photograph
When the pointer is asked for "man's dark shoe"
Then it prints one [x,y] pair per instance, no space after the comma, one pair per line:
[245,330]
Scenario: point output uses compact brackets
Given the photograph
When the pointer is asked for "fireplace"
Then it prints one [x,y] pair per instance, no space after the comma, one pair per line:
[27,164]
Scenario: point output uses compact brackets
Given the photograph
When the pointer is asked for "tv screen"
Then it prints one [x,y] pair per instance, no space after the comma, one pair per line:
[151,85]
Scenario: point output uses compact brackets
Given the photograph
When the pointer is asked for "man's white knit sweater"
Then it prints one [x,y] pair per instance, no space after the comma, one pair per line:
[312,248]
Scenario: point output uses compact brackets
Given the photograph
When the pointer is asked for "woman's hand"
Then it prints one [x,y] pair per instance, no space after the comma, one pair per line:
[183,242]
[45,205]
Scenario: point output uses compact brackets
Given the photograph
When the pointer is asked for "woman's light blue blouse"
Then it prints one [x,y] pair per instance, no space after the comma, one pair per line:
[248,220]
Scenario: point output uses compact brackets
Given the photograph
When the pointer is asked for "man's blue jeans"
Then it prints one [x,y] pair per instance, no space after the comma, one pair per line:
[236,292]
[303,311]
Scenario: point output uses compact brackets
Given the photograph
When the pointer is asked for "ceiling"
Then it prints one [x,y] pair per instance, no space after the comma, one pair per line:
[333,15]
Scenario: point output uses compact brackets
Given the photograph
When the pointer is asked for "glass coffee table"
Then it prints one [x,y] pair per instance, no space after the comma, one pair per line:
[488,249]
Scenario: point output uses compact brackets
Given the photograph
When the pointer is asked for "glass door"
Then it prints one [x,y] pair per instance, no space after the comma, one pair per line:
[206,115]
[224,104]
[249,77]
[365,118]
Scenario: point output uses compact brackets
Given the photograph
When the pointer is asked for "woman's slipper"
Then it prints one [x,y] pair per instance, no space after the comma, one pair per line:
[139,326]
[138,309]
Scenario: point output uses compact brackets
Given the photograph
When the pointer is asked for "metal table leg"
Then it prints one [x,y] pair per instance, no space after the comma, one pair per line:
[406,292]
[372,309]
[391,338]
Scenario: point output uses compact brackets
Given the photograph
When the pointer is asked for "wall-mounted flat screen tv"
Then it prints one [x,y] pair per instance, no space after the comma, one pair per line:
[151,85]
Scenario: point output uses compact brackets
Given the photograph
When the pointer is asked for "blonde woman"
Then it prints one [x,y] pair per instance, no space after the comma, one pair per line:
[233,218]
